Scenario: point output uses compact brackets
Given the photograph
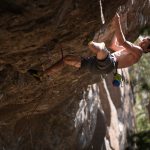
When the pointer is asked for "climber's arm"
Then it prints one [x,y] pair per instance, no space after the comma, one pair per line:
[118,31]
[121,38]
[115,45]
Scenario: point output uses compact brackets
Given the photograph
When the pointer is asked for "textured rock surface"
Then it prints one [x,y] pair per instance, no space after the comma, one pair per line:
[68,111]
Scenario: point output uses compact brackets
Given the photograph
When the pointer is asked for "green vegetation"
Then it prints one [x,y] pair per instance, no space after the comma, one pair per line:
[141,82]
[140,74]
[139,141]
[145,30]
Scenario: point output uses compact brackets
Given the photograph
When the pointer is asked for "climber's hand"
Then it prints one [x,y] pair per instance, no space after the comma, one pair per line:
[116,20]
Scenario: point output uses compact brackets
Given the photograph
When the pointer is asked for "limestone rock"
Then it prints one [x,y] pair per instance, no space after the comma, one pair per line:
[72,110]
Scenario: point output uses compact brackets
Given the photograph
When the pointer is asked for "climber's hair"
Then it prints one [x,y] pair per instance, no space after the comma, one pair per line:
[149,44]
[148,48]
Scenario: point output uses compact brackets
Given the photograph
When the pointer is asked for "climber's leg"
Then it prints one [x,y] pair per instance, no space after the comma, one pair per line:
[73,60]
[54,68]
[69,60]
[98,48]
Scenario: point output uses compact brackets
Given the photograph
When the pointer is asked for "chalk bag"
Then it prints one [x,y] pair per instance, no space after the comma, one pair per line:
[117,80]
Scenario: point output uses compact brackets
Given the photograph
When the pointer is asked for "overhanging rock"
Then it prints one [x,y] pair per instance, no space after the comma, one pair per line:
[54,114]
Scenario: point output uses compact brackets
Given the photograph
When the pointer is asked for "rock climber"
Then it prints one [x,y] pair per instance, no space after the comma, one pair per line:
[125,54]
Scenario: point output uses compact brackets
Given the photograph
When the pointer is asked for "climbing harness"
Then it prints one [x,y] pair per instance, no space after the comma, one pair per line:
[117,77]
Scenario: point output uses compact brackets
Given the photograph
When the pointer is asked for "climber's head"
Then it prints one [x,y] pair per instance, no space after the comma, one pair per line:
[145,44]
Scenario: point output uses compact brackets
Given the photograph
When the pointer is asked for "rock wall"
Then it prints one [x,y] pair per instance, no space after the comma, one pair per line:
[73,109]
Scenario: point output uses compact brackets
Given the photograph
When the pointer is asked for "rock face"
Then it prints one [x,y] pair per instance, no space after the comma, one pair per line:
[73,110]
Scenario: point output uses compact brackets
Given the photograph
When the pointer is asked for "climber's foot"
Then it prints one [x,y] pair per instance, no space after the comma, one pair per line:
[96,47]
